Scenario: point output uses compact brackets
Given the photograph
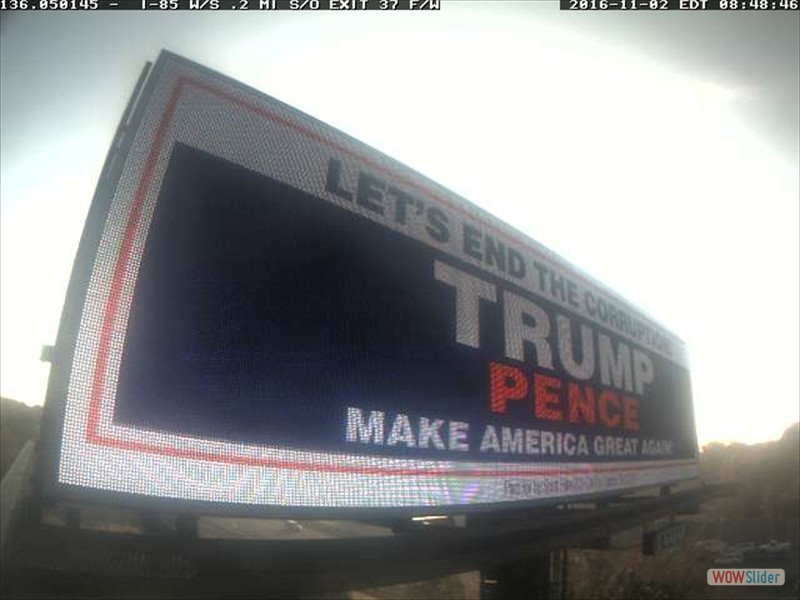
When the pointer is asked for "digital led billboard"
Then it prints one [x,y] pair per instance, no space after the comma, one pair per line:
[272,315]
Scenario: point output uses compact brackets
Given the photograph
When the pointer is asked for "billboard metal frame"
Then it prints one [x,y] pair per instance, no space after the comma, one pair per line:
[65,348]
[504,546]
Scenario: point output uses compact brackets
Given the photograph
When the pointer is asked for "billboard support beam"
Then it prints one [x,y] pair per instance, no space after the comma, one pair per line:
[187,527]
[541,577]
[211,566]
[72,517]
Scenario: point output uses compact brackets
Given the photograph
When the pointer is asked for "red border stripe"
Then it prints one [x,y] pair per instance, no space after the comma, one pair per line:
[93,435]
[121,266]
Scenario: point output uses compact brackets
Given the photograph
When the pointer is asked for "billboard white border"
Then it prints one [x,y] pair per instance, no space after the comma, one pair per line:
[192,106]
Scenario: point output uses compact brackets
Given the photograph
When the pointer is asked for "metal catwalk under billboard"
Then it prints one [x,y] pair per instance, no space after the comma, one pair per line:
[272,315]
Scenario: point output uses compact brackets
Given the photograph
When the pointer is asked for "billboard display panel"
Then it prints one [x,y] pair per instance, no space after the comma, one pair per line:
[273,315]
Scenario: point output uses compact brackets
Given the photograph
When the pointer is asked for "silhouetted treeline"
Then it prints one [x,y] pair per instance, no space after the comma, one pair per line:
[766,507]
[769,472]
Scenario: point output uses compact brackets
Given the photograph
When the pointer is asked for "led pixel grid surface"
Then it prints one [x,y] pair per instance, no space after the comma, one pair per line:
[279,316]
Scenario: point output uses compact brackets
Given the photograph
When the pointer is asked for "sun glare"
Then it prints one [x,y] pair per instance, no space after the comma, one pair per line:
[641,176]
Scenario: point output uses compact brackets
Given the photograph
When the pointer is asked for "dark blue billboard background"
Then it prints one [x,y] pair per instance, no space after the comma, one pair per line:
[261,313]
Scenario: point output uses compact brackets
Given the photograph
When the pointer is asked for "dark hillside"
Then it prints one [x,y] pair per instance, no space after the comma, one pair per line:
[18,424]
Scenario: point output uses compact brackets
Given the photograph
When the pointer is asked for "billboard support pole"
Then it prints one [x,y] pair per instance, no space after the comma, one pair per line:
[541,577]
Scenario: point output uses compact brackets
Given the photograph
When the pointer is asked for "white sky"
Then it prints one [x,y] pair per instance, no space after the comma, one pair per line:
[641,175]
